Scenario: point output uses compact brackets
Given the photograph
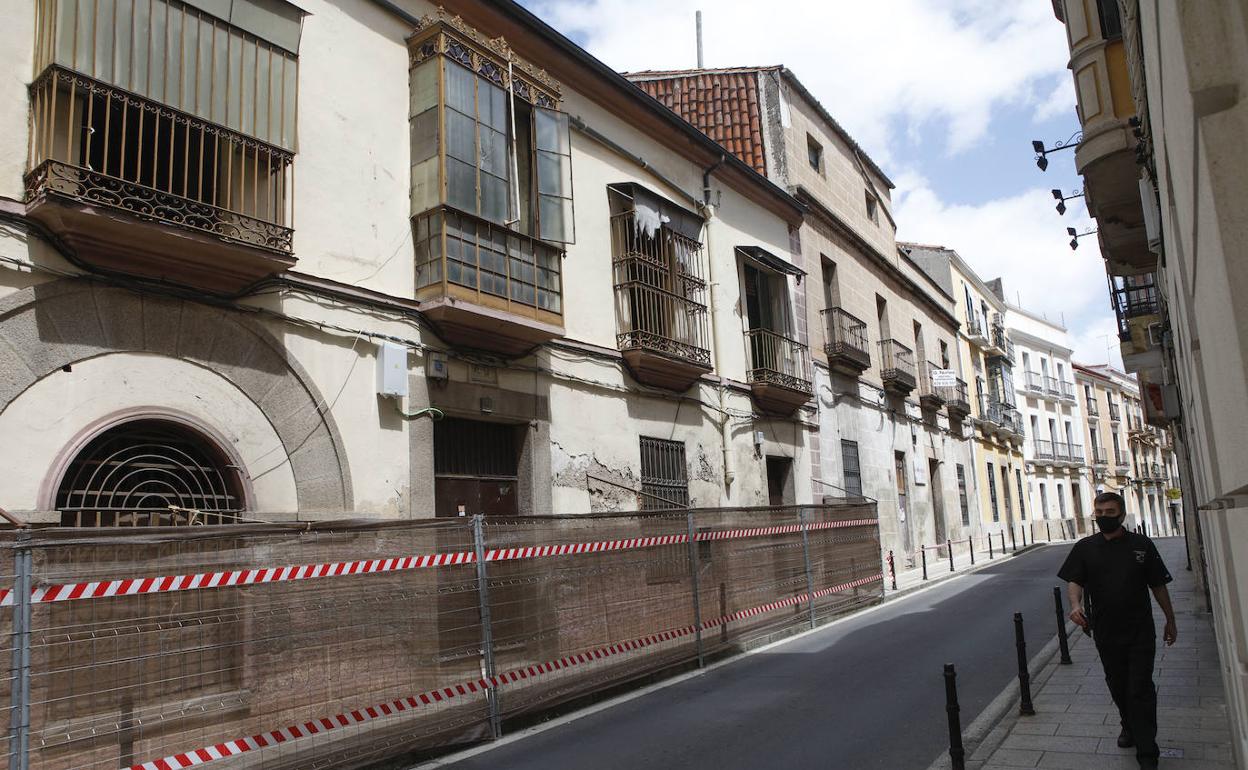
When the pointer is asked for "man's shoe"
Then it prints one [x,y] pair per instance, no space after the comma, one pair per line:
[1125,739]
[1149,763]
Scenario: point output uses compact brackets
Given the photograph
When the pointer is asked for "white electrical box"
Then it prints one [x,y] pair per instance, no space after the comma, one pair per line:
[759,438]
[392,370]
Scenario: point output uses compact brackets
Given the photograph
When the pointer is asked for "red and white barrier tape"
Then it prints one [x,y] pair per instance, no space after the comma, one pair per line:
[137,586]
[390,708]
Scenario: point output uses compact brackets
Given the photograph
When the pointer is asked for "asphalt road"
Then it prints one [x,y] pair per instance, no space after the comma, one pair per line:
[864,693]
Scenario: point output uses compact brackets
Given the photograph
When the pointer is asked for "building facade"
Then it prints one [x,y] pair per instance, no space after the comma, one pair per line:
[1053,421]
[876,324]
[387,302]
[986,365]
[1161,104]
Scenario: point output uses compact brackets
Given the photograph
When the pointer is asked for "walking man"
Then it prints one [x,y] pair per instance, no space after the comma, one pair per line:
[1109,575]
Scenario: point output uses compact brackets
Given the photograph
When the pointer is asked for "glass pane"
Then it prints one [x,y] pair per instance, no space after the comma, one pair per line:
[554,175]
[552,131]
[461,184]
[461,137]
[459,88]
[556,219]
[494,198]
[424,87]
[65,12]
[492,105]
[106,11]
[494,153]
[424,136]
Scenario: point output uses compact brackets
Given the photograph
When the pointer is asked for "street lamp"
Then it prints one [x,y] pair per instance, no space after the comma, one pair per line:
[1075,236]
[1042,162]
[1061,200]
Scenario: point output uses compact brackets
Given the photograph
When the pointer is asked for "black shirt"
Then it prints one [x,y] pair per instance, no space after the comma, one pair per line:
[1116,575]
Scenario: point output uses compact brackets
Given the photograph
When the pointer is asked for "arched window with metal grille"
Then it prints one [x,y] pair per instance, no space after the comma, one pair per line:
[150,472]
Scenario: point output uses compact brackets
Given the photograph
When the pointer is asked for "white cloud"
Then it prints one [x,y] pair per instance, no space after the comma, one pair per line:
[1022,240]
[926,65]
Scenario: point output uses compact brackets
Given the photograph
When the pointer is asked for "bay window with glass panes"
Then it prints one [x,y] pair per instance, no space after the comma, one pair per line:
[491,178]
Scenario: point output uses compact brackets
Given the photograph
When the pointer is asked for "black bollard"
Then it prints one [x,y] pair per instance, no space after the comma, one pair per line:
[949,547]
[1024,678]
[1013,542]
[991,555]
[1062,641]
[970,543]
[923,550]
[1003,541]
[1048,534]
[892,569]
[956,753]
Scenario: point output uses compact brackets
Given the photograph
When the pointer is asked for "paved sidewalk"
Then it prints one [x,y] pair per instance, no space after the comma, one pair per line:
[911,578]
[1076,723]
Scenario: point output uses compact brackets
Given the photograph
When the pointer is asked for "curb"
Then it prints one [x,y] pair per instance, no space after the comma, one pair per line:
[982,737]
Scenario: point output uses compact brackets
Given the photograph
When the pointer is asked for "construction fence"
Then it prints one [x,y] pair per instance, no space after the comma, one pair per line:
[349,643]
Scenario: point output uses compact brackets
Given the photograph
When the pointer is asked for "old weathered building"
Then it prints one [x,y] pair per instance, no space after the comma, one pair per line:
[875,323]
[598,299]
[1161,105]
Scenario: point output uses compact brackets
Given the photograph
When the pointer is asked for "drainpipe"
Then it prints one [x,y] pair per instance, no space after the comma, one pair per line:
[708,210]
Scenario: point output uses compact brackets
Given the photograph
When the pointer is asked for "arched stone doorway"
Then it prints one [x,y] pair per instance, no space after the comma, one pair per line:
[150,472]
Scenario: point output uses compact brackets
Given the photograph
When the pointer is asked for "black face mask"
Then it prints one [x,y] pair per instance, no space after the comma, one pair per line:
[1108,524]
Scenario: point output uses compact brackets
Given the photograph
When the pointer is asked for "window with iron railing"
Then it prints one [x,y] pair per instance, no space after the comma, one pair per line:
[962,497]
[659,273]
[850,468]
[846,335]
[992,492]
[167,112]
[664,474]
[1134,296]
[897,361]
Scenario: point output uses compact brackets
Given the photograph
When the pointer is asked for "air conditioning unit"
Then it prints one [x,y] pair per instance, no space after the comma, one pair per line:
[1156,334]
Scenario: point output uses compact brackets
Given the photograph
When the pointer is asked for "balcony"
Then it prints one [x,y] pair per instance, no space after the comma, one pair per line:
[1001,346]
[957,404]
[1043,450]
[1122,461]
[1061,451]
[897,370]
[845,342]
[1000,419]
[1075,454]
[976,330]
[1092,409]
[485,286]
[1052,386]
[1137,306]
[1115,414]
[660,305]
[1068,391]
[1035,382]
[779,372]
[1100,458]
[930,397]
[135,186]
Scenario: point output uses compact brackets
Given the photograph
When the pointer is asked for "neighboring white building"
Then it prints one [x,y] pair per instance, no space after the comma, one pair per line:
[1053,421]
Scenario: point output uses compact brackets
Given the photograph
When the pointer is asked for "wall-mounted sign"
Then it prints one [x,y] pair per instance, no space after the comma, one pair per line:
[944,378]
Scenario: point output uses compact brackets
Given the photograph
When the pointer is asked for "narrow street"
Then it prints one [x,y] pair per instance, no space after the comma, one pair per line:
[867,692]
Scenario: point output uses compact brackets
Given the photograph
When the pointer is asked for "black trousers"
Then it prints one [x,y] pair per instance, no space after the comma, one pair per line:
[1129,673]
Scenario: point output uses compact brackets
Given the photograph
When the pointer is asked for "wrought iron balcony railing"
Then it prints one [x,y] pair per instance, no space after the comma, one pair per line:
[1100,456]
[897,368]
[1121,459]
[1052,385]
[845,338]
[957,402]
[929,394]
[1043,449]
[1061,451]
[1076,453]
[1134,296]
[1092,408]
[778,360]
[1068,390]
[103,146]
[1035,381]
[1115,414]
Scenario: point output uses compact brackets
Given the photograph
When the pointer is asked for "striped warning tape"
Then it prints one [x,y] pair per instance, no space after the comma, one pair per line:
[390,708]
[137,586]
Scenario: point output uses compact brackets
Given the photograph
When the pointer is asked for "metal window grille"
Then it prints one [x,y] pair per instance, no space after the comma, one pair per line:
[852,468]
[992,493]
[664,477]
[962,501]
[149,473]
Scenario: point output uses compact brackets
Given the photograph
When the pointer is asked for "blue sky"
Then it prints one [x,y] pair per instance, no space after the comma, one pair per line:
[946,95]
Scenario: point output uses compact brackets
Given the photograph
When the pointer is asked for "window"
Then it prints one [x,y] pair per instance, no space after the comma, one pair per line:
[129,111]
[1111,22]
[831,291]
[1061,502]
[1022,506]
[881,314]
[873,207]
[1005,493]
[962,501]
[664,477]
[660,270]
[850,468]
[814,153]
[944,355]
[992,492]
[1044,502]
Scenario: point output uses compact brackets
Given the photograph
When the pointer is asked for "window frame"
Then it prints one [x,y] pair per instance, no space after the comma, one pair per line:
[846,473]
